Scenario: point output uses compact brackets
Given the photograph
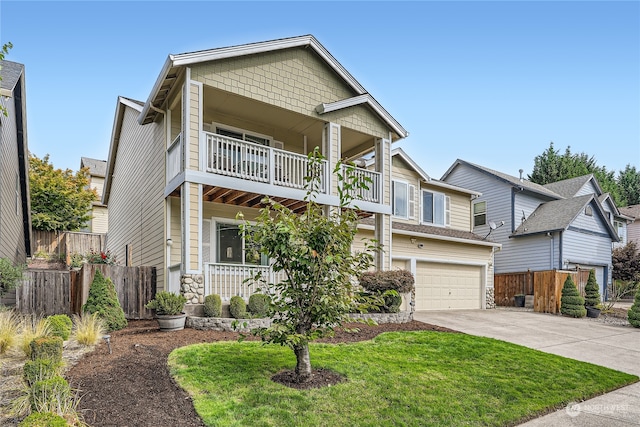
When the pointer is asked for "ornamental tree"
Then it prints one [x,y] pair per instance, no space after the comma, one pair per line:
[60,200]
[592,291]
[313,250]
[571,303]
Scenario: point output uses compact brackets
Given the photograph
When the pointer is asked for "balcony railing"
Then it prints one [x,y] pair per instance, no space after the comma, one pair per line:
[255,162]
[372,180]
[228,280]
[174,158]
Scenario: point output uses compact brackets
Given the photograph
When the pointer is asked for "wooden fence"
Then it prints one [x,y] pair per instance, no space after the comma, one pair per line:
[50,292]
[545,286]
[62,245]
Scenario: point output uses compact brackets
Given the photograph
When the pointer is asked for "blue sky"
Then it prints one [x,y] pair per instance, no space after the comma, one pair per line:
[488,82]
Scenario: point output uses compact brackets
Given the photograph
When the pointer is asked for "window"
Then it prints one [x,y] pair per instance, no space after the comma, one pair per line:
[241,135]
[400,199]
[436,208]
[479,214]
[588,211]
[619,226]
[232,249]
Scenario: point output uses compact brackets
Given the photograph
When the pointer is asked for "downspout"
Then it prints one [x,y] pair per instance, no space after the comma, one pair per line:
[560,266]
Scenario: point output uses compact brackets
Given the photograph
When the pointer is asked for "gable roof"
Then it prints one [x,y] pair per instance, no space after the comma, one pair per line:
[557,215]
[570,187]
[632,211]
[96,167]
[507,179]
[10,72]
[171,67]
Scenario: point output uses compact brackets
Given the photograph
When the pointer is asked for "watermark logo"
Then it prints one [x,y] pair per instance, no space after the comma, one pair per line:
[574,409]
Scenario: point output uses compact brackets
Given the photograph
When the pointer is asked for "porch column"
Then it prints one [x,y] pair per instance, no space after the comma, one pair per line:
[332,148]
[383,222]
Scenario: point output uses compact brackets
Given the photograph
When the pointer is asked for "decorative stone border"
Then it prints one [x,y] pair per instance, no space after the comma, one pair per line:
[245,325]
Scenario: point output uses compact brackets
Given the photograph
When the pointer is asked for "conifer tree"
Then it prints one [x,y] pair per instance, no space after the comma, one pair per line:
[103,300]
[571,303]
[633,315]
[592,291]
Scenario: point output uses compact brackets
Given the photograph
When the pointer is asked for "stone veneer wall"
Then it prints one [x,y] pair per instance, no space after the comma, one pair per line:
[192,287]
[245,325]
[491,302]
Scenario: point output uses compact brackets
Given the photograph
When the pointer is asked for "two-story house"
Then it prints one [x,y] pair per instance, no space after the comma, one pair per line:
[432,238]
[15,205]
[543,230]
[99,221]
[221,129]
[633,227]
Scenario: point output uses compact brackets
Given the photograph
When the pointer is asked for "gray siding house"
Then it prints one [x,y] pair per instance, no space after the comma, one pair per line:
[15,207]
[557,226]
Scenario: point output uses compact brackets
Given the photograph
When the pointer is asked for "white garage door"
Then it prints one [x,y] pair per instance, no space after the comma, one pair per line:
[447,286]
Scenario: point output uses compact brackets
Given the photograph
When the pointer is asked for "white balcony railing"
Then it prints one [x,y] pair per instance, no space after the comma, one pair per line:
[255,162]
[174,158]
[373,181]
[228,280]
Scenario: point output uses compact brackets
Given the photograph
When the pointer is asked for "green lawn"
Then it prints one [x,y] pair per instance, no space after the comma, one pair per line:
[400,379]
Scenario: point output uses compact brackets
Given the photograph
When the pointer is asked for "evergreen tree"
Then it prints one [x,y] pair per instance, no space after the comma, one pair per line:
[103,300]
[634,312]
[592,291]
[571,303]
[629,186]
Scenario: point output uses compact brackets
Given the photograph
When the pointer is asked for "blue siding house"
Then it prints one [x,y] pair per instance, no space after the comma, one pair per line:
[561,226]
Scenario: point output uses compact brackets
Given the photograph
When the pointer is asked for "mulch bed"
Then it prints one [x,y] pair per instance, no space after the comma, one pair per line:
[132,386]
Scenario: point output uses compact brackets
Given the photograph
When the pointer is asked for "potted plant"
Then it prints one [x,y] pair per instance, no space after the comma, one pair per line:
[592,296]
[168,307]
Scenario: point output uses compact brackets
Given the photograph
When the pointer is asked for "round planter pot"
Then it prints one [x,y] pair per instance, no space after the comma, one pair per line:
[593,312]
[171,322]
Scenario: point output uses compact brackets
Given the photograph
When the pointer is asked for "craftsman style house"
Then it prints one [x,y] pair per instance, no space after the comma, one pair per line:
[15,205]
[221,129]
[432,238]
[561,226]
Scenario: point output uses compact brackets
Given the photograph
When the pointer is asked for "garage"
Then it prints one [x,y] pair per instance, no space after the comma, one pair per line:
[448,286]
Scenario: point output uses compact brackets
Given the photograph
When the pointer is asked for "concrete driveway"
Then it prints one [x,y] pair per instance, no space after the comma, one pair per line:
[615,347]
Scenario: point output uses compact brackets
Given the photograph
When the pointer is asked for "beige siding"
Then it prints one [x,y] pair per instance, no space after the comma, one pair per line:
[266,77]
[11,228]
[99,219]
[136,205]
[404,173]
[176,231]
[438,249]
[97,183]
[194,225]
[194,127]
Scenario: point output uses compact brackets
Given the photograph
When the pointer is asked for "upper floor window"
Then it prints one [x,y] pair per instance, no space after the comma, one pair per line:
[403,195]
[244,136]
[619,227]
[436,208]
[479,214]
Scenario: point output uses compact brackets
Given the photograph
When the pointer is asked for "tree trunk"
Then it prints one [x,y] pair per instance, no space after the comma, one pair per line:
[303,363]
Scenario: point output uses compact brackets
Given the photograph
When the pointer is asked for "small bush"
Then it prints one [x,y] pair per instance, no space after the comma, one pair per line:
[592,291]
[392,280]
[43,419]
[212,305]
[633,315]
[60,325]
[47,348]
[32,327]
[571,303]
[103,300]
[238,307]
[10,275]
[88,329]
[40,369]
[167,303]
[8,330]
[259,305]
[50,394]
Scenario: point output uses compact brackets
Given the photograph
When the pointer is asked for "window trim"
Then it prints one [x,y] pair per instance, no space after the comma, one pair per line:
[474,214]
[244,132]
[213,245]
[393,198]
[446,208]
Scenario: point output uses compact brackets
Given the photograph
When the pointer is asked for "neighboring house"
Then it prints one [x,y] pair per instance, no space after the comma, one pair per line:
[221,129]
[432,238]
[557,226]
[633,226]
[99,215]
[15,205]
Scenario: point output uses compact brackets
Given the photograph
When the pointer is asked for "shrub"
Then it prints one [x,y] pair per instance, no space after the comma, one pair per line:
[103,300]
[32,327]
[392,302]
[167,303]
[392,280]
[43,419]
[212,305]
[259,305]
[571,303]
[46,348]
[592,291]
[40,369]
[100,257]
[10,275]
[60,325]
[633,315]
[50,394]
[8,330]
[88,329]
[238,307]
